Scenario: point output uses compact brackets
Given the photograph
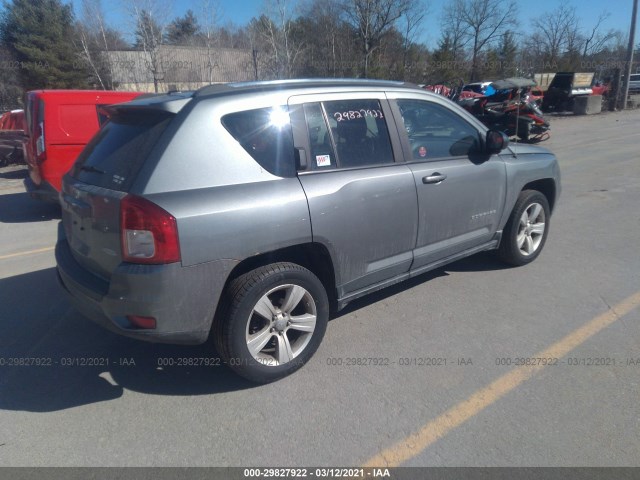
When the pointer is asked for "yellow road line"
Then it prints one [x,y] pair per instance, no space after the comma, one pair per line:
[30,252]
[481,399]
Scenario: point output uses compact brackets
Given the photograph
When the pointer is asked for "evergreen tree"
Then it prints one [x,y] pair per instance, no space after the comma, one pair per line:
[148,33]
[183,30]
[39,34]
[447,61]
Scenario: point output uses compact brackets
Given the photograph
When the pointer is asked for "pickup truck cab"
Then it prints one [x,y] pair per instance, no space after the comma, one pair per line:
[247,211]
[59,124]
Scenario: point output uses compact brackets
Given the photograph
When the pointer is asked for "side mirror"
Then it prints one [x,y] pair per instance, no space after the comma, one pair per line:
[496,141]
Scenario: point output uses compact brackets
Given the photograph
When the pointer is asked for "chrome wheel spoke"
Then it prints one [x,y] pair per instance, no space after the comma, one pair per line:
[292,298]
[524,219]
[303,323]
[265,308]
[536,208]
[284,353]
[537,228]
[258,341]
[529,245]
[521,238]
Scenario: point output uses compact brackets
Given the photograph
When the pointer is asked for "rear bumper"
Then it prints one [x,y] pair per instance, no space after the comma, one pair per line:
[181,299]
[44,192]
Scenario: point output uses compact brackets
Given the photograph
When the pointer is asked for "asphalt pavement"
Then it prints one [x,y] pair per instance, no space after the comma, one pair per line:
[454,382]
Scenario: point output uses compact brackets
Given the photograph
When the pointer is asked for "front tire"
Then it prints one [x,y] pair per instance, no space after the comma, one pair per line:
[526,231]
[274,321]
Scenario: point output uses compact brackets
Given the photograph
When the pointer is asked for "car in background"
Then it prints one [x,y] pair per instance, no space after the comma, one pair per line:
[59,124]
[535,95]
[634,83]
[476,89]
[12,137]
[438,88]
[246,212]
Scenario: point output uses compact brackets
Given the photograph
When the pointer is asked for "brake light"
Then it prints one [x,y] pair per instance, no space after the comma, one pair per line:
[148,233]
[146,323]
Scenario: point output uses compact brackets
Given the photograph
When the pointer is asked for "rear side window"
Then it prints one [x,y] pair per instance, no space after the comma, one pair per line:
[116,153]
[360,132]
[266,135]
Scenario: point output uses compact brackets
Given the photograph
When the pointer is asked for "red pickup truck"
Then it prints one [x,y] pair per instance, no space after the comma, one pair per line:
[59,125]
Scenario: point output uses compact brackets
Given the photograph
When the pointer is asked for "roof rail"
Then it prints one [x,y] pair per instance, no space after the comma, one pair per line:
[237,87]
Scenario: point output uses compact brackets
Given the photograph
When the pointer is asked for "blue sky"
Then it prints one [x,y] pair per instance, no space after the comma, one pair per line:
[240,12]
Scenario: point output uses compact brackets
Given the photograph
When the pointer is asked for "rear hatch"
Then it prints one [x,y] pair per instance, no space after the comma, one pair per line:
[101,178]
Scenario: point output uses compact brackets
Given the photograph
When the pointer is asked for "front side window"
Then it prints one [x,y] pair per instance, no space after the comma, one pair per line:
[435,131]
[266,135]
[359,132]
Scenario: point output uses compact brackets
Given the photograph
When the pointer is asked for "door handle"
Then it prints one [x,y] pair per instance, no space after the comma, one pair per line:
[434,178]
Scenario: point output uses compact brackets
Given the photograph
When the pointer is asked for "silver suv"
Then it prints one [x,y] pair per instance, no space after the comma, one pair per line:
[249,211]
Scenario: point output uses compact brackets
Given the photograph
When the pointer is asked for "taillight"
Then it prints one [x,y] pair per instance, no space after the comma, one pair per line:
[148,233]
[146,323]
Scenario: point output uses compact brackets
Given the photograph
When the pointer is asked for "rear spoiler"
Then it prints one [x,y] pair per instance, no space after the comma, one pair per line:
[170,103]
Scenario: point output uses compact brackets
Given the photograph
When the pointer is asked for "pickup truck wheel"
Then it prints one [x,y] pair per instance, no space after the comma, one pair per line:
[274,321]
[526,231]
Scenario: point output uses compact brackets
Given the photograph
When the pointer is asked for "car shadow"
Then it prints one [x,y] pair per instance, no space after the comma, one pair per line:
[51,358]
[480,262]
[14,174]
[21,208]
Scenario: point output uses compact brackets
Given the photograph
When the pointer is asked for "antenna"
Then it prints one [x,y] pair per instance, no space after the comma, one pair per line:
[515,146]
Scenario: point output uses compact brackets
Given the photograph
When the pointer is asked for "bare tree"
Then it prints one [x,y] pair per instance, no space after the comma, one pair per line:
[372,19]
[412,19]
[276,28]
[595,41]
[454,32]
[151,18]
[556,31]
[210,37]
[480,23]
[95,40]
[328,52]
[89,55]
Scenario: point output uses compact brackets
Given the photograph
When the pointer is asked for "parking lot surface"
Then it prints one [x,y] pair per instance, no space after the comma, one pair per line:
[474,364]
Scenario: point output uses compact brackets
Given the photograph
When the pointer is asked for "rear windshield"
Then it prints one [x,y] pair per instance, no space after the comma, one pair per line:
[116,153]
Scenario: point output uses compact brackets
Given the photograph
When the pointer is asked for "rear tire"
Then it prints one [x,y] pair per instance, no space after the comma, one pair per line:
[526,230]
[272,321]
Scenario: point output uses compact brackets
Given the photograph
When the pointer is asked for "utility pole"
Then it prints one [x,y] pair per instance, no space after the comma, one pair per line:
[627,70]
